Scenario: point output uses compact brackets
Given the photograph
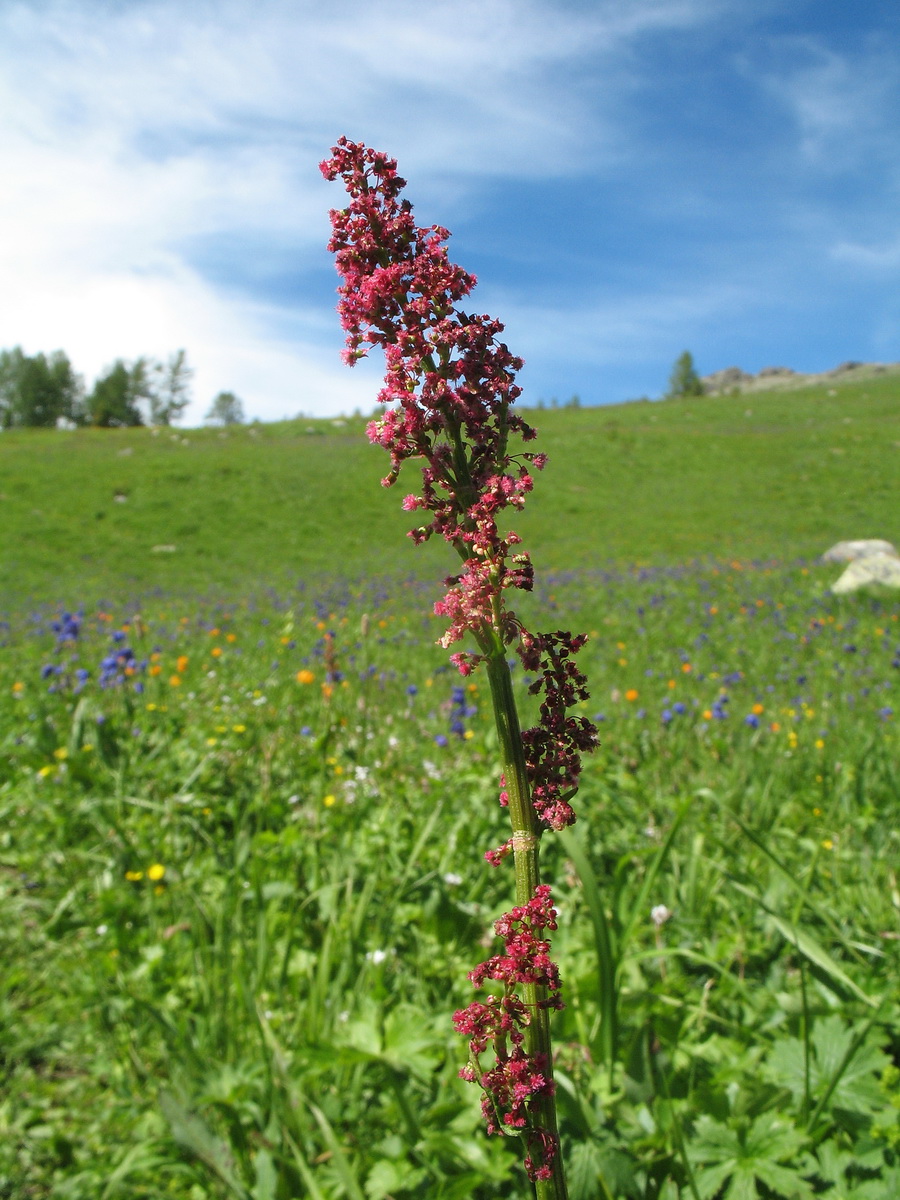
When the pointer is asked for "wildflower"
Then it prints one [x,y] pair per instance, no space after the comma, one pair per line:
[134,876]
[631,695]
[449,389]
[239,728]
[155,872]
[827,844]
[686,668]
[181,665]
[679,708]
[216,651]
[328,801]
[659,914]
[757,710]
[61,753]
[511,1086]
[752,720]
[174,681]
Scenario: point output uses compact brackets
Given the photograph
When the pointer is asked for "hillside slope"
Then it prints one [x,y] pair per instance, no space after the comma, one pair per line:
[94,513]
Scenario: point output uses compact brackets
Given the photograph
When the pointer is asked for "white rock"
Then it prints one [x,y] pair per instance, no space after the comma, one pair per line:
[874,568]
[848,551]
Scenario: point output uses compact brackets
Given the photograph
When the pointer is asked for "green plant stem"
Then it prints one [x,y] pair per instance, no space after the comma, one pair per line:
[526,838]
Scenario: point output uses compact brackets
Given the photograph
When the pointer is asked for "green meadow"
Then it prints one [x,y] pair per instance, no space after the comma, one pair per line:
[244,803]
[768,475]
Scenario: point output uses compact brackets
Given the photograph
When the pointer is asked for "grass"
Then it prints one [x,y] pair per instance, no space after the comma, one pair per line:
[658,483]
[242,881]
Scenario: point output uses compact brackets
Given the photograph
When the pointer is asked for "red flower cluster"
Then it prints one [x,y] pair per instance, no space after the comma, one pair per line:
[553,747]
[450,384]
[516,1079]
[450,380]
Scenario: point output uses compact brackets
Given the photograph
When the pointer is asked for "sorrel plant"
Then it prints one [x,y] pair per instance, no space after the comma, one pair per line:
[448,393]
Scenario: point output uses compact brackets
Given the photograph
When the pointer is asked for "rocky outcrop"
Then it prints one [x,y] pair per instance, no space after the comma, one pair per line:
[776,373]
[734,380]
[724,381]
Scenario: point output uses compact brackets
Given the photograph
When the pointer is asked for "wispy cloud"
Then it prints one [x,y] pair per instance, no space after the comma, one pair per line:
[839,99]
[140,136]
[160,186]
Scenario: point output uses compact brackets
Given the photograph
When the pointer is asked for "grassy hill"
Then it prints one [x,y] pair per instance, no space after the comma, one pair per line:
[96,513]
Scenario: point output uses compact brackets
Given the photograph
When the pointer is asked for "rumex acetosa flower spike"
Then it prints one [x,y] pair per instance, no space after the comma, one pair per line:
[448,396]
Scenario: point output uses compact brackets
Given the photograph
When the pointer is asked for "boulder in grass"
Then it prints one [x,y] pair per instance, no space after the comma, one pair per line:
[874,568]
[849,551]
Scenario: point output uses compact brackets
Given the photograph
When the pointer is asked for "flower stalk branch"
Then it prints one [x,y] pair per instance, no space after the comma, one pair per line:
[448,393]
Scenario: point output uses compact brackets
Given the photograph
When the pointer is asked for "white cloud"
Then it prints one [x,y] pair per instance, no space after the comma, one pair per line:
[133,131]
[621,330]
[880,257]
[839,101]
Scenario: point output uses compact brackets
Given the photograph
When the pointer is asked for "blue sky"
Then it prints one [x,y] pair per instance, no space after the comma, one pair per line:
[627,179]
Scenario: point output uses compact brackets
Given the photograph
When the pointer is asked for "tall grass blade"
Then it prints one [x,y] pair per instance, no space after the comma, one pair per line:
[603,943]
